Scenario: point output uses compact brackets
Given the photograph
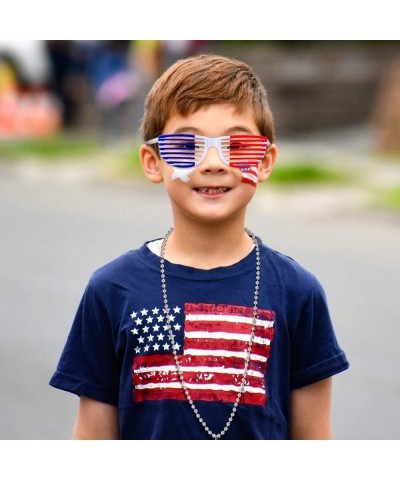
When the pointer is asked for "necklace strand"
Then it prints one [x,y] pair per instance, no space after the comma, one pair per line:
[215,436]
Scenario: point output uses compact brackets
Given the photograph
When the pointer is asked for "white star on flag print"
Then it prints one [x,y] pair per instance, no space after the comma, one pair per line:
[147,330]
[211,350]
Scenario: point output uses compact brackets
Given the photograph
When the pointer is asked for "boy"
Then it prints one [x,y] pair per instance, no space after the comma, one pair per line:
[206,333]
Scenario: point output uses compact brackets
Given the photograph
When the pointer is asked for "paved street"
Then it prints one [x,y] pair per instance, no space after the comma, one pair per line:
[55,232]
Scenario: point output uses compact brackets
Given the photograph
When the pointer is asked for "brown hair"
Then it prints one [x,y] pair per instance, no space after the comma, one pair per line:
[203,80]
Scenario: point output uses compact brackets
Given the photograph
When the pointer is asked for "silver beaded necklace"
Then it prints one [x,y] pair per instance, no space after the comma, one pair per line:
[215,436]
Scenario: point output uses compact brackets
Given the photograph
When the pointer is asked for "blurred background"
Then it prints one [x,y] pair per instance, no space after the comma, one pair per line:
[73,197]
[49,87]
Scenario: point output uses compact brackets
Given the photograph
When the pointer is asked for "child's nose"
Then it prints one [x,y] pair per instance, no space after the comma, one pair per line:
[212,161]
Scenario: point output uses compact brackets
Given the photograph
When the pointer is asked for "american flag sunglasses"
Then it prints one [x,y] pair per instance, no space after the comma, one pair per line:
[186,150]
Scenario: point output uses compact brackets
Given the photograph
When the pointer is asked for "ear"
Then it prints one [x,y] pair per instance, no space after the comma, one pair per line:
[267,163]
[150,164]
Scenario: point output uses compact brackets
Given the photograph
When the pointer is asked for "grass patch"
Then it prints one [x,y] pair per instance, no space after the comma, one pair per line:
[391,198]
[48,148]
[133,160]
[305,173]
[127,164]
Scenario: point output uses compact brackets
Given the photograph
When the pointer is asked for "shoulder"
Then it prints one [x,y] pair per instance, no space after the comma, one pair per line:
[288,267]
[290,274]
[116,271]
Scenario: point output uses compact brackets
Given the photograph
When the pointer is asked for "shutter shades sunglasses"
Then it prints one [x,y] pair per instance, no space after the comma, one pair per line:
[186,150]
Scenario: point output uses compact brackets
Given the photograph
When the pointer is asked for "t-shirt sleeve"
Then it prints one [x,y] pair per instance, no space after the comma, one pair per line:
[315,352]
[88,364]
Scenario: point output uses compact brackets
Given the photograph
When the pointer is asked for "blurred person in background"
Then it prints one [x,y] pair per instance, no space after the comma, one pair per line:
[114,83]
[68,80]
[95,83]
[27,108]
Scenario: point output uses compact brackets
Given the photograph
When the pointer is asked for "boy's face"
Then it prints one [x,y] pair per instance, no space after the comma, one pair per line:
[213,191]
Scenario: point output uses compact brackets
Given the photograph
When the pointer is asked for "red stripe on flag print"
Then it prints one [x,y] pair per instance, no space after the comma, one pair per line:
[229,327]
[238,310]
[218,344]
[199,378]
[205,395]
[195,361]
[214,352]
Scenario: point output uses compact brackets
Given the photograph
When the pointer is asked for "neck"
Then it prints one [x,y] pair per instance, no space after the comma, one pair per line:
[216,245]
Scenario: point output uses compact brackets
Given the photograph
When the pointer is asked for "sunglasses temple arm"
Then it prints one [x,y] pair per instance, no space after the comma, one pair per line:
[152,142]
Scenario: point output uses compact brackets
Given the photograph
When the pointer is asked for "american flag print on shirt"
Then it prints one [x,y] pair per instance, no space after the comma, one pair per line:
[212,357]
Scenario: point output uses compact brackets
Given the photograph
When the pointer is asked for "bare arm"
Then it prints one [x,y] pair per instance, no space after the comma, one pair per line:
[96,421]
[311,411]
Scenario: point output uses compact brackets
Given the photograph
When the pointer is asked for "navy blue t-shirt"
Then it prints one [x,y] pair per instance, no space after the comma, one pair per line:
[119,352]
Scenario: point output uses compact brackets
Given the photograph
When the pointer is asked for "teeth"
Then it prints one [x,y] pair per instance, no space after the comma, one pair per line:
[213,191]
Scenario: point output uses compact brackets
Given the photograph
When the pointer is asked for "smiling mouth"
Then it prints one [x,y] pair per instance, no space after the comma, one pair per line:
[212,190]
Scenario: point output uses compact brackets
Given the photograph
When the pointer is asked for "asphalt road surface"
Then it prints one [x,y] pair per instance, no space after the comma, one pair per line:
[55,232]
